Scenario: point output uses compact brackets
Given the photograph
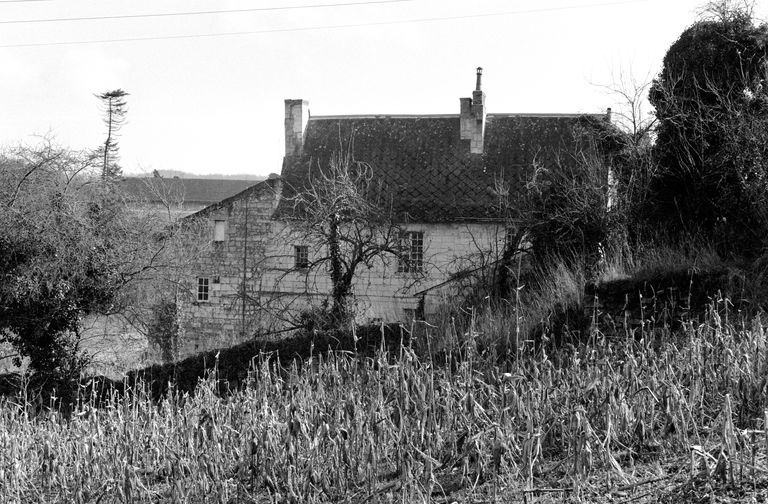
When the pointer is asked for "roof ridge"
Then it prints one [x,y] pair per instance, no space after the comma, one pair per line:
[442,116]
[384,116]
[546,114]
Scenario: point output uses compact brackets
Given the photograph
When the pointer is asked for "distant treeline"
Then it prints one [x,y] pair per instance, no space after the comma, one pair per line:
[188,175]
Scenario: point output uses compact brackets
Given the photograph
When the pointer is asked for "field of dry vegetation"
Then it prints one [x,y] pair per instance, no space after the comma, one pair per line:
[655,417]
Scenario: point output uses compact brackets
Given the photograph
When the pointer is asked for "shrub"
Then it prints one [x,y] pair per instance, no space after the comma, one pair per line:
[163,329]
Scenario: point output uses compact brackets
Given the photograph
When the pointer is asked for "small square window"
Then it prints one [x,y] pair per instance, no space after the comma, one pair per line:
[219,230]
[202,289]
[301,256]
[409,315]
[411,258]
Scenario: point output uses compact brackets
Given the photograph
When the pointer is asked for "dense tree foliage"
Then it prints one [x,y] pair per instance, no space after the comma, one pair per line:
[70,246]
[711,101]
[53,260]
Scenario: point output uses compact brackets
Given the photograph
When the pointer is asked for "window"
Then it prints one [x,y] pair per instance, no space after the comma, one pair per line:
[219,230]
[301,255]
[510,238]
[202,289]
[409,315]
[412,252]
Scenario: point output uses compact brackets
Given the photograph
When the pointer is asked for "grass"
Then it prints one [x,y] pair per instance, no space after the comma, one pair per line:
[593,421]
[659,260]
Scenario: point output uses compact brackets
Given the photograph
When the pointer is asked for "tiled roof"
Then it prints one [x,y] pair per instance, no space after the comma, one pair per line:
[269,187]
[191,191]
[426,170]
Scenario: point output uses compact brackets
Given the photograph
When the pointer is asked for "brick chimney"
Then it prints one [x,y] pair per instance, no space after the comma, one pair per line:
[472,117]
[296,117]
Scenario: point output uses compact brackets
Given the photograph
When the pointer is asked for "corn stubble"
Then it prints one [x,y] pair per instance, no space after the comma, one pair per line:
[401,429]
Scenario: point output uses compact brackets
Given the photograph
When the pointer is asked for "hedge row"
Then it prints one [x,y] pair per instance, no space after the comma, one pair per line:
[234,363]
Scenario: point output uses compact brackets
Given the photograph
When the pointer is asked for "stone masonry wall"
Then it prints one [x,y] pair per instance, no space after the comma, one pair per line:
[233,268]
[261,257]
[382,293]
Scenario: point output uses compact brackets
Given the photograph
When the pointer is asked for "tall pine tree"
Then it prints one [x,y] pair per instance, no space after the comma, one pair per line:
[115,109]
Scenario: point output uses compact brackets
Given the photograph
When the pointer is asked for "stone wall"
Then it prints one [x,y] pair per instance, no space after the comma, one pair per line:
[258,260]
[233,268]
[381,292]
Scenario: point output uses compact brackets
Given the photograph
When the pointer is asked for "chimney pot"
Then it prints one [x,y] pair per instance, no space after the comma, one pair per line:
[472,117]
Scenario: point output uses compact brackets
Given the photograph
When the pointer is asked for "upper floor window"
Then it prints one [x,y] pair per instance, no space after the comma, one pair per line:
[411,258]
[202,289]
[301,256]
[219,230]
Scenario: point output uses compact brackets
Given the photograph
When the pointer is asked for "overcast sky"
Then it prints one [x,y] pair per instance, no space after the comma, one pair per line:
[207,90]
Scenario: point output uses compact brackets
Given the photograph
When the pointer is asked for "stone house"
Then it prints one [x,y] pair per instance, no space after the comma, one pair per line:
[441,177]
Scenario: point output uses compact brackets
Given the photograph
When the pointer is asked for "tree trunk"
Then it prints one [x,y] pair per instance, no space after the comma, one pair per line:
[340,287]
[108,142]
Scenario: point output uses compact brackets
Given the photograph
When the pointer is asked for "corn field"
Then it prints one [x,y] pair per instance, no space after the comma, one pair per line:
[617,419]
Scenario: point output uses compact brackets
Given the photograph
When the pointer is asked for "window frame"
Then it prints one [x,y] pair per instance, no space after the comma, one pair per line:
[203,289]
[411,259]
[224,229]
[301,257]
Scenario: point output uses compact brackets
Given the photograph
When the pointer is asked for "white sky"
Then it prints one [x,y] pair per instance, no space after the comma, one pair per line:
[215,104]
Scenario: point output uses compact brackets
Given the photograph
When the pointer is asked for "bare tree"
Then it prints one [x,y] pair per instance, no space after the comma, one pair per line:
[166,193]
[560,211]
[630,149]
[727,11]
[345,214]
